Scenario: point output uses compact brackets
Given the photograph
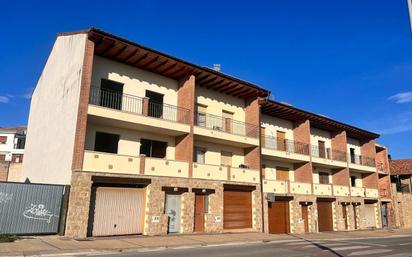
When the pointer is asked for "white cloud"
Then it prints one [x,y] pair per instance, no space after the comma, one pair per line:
[4,99]
[401,98]
[397,124]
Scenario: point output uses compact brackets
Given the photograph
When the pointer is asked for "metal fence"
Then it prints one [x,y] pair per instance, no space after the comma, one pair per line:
[285,145]
[28,209]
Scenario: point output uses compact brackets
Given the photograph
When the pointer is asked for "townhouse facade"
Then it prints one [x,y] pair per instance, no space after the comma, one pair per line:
[151,144]
[401,185]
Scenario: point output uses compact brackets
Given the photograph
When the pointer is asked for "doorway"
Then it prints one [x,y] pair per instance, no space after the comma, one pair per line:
[201,208]
[155,104]
[384,214]
[172,209]
[305,217]
[345,216]
[278,217]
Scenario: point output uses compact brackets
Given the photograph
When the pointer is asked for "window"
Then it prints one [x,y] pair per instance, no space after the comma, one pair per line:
[322,149]
[353,181]
[111,94]
[153,148]
[20,143]
[3,140]
[155,104]
[226,158]
[352,155]
[201,115]
[105,142]
[323,178]
[199,155]
[227,121]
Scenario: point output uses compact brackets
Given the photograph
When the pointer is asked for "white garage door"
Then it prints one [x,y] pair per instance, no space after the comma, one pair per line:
[118,211]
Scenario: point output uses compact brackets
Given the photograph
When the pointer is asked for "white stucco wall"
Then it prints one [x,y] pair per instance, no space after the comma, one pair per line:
[354,143]
[8,147]
[273,124]
[53,114]
[217,102]
[323,135]
[135,81]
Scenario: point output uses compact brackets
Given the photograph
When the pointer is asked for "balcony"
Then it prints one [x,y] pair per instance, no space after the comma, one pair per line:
[224,173]
[371,193]
[133,165]
[131,112]
[357,191]
[340,190]
[275,186]
[222,130]
[361,163]
[322,189]
[300,188]
[285,150]
[327,157]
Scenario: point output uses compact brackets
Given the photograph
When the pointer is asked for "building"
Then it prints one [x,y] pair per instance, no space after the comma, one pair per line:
[401,177]
[152,144]
[12,141]
[319,174]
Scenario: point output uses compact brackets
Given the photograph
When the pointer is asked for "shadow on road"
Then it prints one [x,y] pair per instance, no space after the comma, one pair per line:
[325,248]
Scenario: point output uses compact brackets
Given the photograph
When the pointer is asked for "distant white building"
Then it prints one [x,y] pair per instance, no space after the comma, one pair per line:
[12,141]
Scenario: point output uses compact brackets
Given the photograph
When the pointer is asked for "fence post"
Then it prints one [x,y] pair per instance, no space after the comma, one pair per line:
[63,212]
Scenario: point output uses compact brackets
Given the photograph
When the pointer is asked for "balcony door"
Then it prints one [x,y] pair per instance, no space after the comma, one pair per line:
[155,104]
[281,141]
[322,149]
[282,173]
[111,94]
[352,155]
[323,178]
[227,121]
[153,148]
[226,159]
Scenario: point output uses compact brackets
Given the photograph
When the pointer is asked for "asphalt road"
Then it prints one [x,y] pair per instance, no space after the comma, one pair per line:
[389,247]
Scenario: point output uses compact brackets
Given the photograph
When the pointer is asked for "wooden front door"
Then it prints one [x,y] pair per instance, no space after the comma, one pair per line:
[200,213]
[281,142]
[355,217]
[278,217]
[237,209]
[282,173]
[325,218]
[228,121]
[305,217]
[345,216]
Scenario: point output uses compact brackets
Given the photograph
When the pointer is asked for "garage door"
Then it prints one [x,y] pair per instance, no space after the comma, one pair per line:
[237,209]
[278,217]
[118,211]
[370,216]
[325,218]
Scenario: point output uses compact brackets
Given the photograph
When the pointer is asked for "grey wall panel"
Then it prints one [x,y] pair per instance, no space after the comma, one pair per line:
[30,208]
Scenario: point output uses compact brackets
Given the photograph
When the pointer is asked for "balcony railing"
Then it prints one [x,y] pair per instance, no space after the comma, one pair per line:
[285,145]
[361,160]
[137,105]
[327,153]
[227,125]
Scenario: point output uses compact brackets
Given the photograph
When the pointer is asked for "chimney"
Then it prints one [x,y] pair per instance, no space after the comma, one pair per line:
[216,66]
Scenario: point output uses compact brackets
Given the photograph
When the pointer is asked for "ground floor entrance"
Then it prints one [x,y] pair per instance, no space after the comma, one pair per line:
[325,217]
[117,211]
[279,221]
[369,215]
[237,208]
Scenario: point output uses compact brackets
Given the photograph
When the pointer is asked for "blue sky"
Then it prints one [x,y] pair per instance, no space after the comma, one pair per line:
[350,60]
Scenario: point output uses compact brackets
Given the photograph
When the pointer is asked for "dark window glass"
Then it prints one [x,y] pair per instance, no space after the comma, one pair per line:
[155,104]
[153,148]
[106,142]
[353,181]
[323,178]
[111,94]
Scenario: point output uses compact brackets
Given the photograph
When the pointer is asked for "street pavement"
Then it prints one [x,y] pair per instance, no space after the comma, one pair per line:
[393,243]
[374,247]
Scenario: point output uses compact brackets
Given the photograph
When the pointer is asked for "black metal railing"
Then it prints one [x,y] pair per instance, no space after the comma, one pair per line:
[361,160]
[328,153]
[285,145]
[142,106]
[227,125]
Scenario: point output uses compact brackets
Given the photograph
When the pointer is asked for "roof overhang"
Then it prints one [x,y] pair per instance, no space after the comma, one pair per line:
[125,51]
[288,112]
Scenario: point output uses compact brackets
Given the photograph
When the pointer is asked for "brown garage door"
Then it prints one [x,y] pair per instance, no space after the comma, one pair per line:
[118,211]
[325,218]
[278,217]
[237,209]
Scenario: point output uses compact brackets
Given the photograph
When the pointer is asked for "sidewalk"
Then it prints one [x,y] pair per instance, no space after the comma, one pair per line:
[47,245]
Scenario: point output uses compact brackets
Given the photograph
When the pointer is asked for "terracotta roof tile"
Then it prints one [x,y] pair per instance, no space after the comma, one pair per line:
[401,167]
